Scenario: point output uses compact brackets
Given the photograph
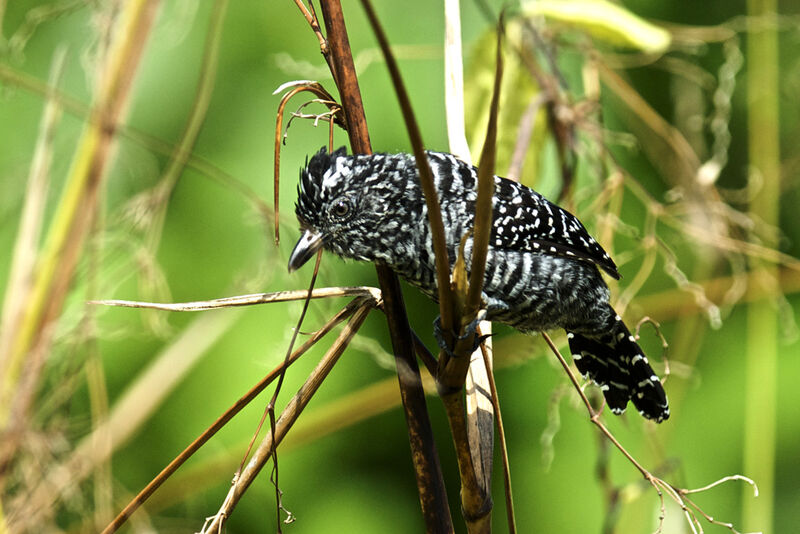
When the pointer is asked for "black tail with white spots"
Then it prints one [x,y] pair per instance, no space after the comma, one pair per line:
[614,361]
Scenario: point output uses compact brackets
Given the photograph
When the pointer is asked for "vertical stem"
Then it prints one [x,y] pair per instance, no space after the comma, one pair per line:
[428,471]
[23,257]
[762,335]
[73,216]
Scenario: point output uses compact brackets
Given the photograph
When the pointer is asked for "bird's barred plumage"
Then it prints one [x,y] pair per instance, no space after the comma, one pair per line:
[541,269]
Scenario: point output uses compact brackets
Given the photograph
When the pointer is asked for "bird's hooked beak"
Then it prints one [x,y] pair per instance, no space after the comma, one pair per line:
[305,248]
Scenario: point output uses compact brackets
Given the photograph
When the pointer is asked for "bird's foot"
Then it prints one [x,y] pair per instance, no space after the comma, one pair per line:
[470,332]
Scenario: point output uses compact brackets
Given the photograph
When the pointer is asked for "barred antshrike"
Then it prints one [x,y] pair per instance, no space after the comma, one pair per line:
[541,270]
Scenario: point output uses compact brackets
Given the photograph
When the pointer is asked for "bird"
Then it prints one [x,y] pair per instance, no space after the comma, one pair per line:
[543,269]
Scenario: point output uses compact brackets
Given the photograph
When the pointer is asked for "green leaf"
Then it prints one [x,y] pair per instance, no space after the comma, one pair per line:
[517,100]
[605,21]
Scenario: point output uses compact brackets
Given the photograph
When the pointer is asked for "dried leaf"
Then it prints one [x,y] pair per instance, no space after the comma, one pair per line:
[460,278]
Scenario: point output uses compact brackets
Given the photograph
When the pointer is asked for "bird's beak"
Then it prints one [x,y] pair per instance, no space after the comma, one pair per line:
[309,243]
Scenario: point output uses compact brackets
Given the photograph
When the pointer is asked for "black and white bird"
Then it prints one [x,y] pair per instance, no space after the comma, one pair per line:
[542,269]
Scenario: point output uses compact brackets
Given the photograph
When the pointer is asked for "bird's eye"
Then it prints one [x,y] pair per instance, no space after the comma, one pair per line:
[341,208]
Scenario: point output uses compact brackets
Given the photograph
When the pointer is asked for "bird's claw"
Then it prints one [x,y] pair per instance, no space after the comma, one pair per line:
[469,332]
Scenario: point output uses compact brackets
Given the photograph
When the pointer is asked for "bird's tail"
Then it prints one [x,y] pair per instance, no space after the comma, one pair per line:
[614,361]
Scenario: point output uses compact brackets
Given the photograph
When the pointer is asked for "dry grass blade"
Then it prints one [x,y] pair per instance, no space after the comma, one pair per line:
[24,253]
[346,411]
[454,81]
[249,300]
[132,409]
[23,260]
[287,418]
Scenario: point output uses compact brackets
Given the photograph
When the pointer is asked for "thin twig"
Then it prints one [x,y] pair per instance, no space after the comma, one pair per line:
[661,486]
[501,435]
[311,18]
[722,481]
[270,408]
[223,419]
[425,355]
[72,219]
[294,88]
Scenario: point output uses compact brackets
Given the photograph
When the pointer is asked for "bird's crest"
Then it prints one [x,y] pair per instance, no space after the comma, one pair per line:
[315,178]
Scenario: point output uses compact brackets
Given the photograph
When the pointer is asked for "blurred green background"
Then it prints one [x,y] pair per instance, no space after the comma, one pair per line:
[340,471]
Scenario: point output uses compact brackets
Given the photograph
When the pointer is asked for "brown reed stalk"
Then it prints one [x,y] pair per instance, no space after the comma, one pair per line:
[430,483]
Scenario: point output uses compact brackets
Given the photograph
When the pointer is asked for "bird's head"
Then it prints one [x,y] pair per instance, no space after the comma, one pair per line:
[344,204]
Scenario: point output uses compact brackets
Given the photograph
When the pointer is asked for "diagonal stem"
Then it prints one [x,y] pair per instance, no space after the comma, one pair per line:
[426,181]
[223,419]
[287,418]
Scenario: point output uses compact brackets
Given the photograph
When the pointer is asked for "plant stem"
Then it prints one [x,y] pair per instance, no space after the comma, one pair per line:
[428,471]
[74,213]
[762,322]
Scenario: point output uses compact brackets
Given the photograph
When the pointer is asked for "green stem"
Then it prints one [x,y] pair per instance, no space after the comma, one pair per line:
[762,335]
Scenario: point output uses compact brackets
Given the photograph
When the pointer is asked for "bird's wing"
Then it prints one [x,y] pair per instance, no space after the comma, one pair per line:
[526,221]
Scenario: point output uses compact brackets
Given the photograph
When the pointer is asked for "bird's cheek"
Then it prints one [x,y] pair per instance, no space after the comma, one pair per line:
[340,244]
[351,246]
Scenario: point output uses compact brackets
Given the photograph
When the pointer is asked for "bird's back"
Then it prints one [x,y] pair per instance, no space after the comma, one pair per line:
[542,268]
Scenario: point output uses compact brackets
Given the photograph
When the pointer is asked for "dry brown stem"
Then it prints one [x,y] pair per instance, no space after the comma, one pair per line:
[222,420]
[294,408]
[430,483]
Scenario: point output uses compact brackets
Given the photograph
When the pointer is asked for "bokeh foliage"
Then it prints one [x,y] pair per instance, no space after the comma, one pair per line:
[344,468]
